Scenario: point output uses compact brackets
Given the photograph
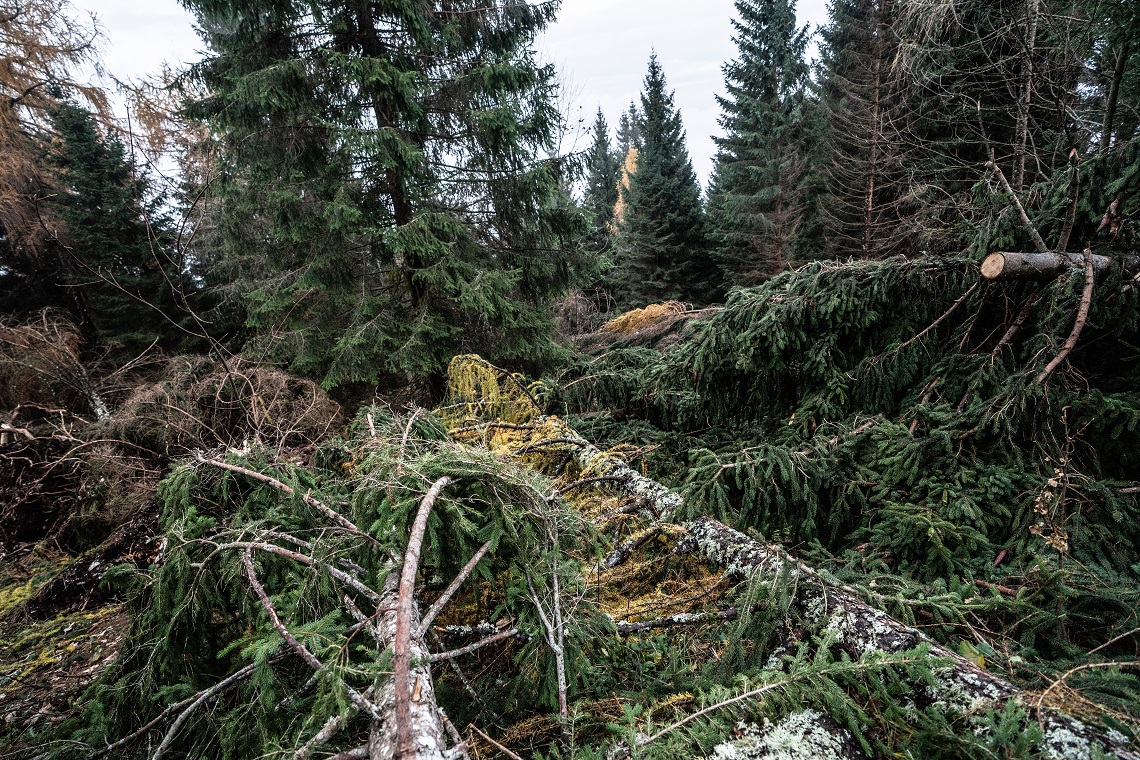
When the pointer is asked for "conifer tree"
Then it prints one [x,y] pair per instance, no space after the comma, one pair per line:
[662,243]
[603,172]
[627,131]
[114,236]
[864,197]
[387,201]
[754,199]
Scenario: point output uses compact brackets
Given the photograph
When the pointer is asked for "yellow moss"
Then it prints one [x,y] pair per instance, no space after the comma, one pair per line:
[13,596]
[637,319]
[479,389]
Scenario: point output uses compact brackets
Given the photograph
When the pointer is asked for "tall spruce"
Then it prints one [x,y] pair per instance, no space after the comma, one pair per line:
[754,198]
[115,237]
[864,198]
[627,131]
[603,172]
[662,243]
[387,201]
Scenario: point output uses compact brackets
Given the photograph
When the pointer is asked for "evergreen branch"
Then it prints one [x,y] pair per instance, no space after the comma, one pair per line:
[324,509]
[494,743]
[845,667]
[198,701]
[401,645]
[1079,325]
[953,308]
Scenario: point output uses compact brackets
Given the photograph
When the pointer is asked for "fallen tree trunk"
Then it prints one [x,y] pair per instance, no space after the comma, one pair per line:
[1045,266]
[963,687]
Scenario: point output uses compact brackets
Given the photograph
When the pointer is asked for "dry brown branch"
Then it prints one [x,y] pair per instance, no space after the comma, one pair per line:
[953,308]
[1079,325]
[449,592]
[494,743]
[405,741]
[1037,240]
[1115,639]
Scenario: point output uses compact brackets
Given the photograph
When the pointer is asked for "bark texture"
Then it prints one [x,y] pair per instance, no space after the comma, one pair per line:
[1045,266]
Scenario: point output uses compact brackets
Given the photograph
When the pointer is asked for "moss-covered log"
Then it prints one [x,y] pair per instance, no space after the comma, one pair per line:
[963,689]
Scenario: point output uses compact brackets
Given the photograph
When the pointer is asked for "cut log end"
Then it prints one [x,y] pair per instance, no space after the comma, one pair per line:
[993,266]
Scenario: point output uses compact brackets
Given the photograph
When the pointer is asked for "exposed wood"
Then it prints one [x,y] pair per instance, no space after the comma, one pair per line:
[408,744]
[1006,265]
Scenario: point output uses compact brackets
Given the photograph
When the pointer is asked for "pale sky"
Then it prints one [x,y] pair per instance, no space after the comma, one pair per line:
[600,46]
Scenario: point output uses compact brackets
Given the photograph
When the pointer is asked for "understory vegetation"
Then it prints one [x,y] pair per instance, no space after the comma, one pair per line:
[389,430]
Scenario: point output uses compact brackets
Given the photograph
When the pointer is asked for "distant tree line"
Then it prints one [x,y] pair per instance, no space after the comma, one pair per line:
[911,134]
[371,189]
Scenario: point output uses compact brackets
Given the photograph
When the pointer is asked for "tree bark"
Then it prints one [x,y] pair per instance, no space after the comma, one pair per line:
[1113,96]
[963,688]
[1046,266]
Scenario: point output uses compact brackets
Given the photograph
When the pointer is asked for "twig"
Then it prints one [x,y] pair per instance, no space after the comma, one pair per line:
[1073,671]
[185,715]
[1112,641]
[642,740]
[325,735]
[554,641]
[194,703]
[401,646]
[1079,325]
[510,633]
[549,442]
[1037,240]
[304,559]
[953,308]
[494,743]
[324,509]
[489,425]
[449,592]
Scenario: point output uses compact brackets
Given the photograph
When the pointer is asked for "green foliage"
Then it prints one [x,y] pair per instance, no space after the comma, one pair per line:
[383,201]
[920,460]
[754,197]
[662,249]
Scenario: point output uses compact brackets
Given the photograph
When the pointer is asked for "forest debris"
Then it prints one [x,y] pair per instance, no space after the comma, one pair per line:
[1005,265]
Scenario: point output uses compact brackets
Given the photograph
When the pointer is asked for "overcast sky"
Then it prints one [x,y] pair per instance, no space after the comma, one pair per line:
[600,46]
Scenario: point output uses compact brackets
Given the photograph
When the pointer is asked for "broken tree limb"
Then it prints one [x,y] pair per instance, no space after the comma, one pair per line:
[1079,324]
[962,686]
[1005,265]
[407,745]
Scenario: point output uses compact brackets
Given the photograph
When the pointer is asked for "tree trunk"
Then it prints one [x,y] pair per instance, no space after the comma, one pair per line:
[1113,96]
[963,689]
[1022,137]
[426,718]
[1045,266]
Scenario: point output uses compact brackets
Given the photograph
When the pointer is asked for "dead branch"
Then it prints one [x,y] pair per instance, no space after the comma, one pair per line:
[1079,325]
[324,509]
[510,633]
[449,592]
[494,743]
[626,628]
[405,741]
[953,308]
[195,702]
[1037,240]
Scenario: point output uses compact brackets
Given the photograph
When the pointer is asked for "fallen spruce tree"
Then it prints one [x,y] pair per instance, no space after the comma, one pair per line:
[483,581]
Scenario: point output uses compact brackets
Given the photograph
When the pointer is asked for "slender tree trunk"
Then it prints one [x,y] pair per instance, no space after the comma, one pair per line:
[1114,96]
[1022,135]
[873,154]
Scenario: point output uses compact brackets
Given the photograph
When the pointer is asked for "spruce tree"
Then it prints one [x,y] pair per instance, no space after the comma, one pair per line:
[662,243]
[864,198]
[627,131]
[387,201]
[754,197]
[115,237]
[603,172]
